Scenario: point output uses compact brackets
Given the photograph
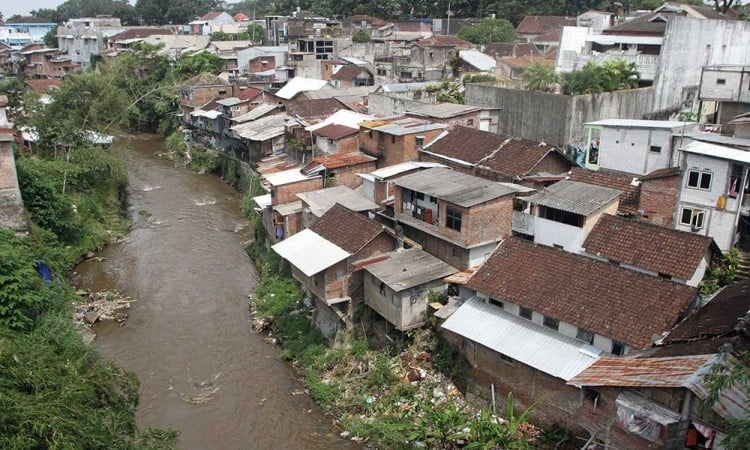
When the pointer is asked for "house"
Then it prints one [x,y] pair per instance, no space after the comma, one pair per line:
[729,87]
[318,202]
[538,319]
[713,200]
[666,385]
[200,90]
[428,59]
[633,146]
[378,185]
[453,216]
[658,251]
[261,137]
[343,73]
[397,139]
[498,158]
[282,211]
[174,46]
[342,242]
[532,27]
[474,61]
[562,215]
[341,169]
[452,114]
[84,38]
[125,39]
[300,84]
[261,59]
[209,23]
[397,287]
[332,139]
[31,26]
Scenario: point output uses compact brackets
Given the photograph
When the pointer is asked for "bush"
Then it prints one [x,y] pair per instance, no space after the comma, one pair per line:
[361,36]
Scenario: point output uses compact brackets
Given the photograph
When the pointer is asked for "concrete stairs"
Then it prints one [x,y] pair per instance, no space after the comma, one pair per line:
[743,270]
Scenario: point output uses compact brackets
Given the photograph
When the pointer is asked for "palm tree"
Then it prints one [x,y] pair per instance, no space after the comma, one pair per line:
[539,77]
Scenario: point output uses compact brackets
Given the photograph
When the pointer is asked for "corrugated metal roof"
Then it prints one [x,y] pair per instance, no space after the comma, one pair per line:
[478,59]
[532,344]
[309,252]
[256,113]
[634,123]
[353,60]
[286,177]
[342,117]
[405,87]
[720,139]
[262,129]
[231,101]
[263,200]
[409,268]
[209,114]
[300,84]
[641,372]
[322,200]
[717,151]
[396,169]
[456,187]
[401,126]
[575,197]
[442,110]
[286,209]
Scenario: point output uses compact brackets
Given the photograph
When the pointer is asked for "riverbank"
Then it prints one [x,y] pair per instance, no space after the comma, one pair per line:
[392,396]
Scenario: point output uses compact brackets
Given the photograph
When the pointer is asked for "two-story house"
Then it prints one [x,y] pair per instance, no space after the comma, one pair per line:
[724,94]
[562,215]
[456,217]
[326,260]
[398,287]
[378,184]
[542,315]
[397,139]
[713,196]
[658,251]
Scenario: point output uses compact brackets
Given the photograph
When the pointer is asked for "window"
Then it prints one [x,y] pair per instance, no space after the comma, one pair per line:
[734,181]
[618,348]
[419,141]
[721,81]
[561,216]
[585,336]
[692,217]
[699,179]
[655,149]
[549,322]
[591,396]
[525,313]
[420,195]
[470,122]
[497,303]
[453,219]
[393,139]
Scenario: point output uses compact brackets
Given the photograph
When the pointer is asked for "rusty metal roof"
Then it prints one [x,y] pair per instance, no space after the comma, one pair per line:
[641,372]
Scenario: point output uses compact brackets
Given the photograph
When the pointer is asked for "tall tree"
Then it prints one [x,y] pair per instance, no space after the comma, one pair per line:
[489,30]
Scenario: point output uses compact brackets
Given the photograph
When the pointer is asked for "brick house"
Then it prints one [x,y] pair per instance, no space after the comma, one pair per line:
[397,287]
[658,251]
[261,137]
[378,185]
[496,157]
[342,241]
[334,138]
[341,169]
[343,74]
[282,216]
[667,383]
[397,139]
[563,214]
[318,202]
[453,216]
[200,90]
[538,319]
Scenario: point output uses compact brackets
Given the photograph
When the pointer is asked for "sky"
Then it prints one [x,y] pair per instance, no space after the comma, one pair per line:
[10,7]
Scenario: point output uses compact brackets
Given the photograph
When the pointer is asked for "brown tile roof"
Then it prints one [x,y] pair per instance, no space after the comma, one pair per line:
[335,131]
[641,372]
[249,94]
[503,49]
[137,33]
[313,109]
[525,61]
[346,228]
[211,15]
[544,24]
[651,247]
[552,36]
[509,156]
[338,160]
[444,41]
[611,179]
[600,297]
[349,73]
[42,84]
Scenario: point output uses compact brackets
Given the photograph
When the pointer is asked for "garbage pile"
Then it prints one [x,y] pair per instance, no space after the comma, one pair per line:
[104,305]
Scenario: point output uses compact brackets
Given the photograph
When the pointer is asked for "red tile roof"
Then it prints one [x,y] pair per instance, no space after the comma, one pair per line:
[544,24]
[503,49]
[249,94]
[349,73]
[212,15]
[346,228]
[338,160]
[335,131]
[509,156]
[612,179]
[602,298]
[444,41]
[651,247]
[42,84]
[313,109]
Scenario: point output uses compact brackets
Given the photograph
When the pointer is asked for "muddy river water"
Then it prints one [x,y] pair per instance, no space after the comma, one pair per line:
[201,369]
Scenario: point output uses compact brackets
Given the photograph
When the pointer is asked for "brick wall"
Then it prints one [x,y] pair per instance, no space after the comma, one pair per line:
[256,64]
[391,149]
[349,144]
[484,222]
[557,402]
[287,193]
[347,176]
[658,200]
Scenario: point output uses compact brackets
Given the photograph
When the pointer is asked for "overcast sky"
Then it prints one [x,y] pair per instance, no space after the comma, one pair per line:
[10,7]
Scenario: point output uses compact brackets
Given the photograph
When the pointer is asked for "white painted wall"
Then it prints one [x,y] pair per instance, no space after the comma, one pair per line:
[478,255]
[551,233]
[627,149]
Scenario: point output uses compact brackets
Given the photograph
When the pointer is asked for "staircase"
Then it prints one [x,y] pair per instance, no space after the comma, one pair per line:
[743,270]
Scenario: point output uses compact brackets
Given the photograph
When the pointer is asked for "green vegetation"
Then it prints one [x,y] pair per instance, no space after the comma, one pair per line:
[539,77]
[610,76]
[731,372]
[361,36]
[721,273]
[489,30]
[478,78]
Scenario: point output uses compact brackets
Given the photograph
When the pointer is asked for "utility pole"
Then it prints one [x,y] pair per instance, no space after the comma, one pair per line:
[448,29]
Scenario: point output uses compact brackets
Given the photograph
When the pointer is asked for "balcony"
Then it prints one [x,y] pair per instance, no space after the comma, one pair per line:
[646,64]
[523,223]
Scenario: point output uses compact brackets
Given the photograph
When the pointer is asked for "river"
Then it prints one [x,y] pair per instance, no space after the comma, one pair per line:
[187,339]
